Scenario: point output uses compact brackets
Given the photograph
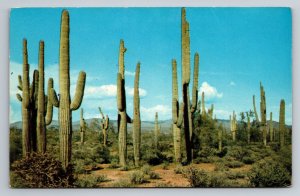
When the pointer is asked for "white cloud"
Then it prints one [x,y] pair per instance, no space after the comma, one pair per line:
[109,90]
[148,114]
[209,91]
[129,73]
[222,114]
[232,83]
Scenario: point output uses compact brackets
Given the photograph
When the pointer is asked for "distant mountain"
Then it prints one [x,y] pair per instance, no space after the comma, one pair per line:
[166,125]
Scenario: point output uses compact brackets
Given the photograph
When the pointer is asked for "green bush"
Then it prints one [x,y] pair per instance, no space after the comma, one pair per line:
[90,181]
[137,177]
[269,173]
[122,184]
[178,169]
[146,169]
[197,178]
[41,171]
[153,175]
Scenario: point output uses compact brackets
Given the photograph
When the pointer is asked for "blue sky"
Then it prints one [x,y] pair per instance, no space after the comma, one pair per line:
[238,47]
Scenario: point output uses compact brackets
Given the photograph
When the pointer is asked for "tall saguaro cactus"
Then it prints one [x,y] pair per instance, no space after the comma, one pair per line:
[104,126]
[136,118]
[25,99]
[282,123]
[185,63]
[177,114]
[123,118]
[254,108]
[271,128]
[203,104]
[233,126]
[263,114]
[44,106]
[64,103]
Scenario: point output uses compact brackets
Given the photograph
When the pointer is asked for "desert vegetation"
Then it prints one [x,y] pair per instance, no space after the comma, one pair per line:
[195,150]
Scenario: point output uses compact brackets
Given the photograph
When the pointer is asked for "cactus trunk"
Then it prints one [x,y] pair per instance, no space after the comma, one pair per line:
[82,127]
[254,108]
[248,128]
[282,123]
[136,118]
[263,114]
[233,126]
[156,131]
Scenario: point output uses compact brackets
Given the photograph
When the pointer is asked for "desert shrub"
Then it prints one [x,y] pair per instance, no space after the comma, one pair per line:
[197,178]
[217,179]
[234,164]
[113,166]
[222,153]
[146,169]
[237,152]
[79,167]
[124,168]
[178,169]
[90,181]
[269,173]
[165,165]
[41,171]
[153,175]
[123,183]
[153,156]
[220,166]
[15,145]
[137,177]
[285,157]
[232,175]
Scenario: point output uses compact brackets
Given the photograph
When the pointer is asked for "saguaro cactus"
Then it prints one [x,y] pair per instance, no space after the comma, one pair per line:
[156,131]
[136,118]
[177,114]
[25,99]
[271,128]
[82,127]
[123,118]
[282,123]
[263,113]
[211,111]
[185,62]
[64,102]
[254,108]
[104,126]
[44,106]
[233,126]
[220,138]
[203,105]
[248,128]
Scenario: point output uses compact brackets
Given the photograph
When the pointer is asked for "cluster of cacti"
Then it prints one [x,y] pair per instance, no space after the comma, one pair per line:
[64,103]
[248,128]
[233,125]
[123,118]
[104,126]
[136,118]
[82,124]
[34,102]
[189,108]
[177,114]
[282,123]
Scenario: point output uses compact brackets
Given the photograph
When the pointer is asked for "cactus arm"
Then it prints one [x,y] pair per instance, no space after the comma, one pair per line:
[175,110]
[49,113]
[254,108]
[106,124]
[180,115]
[19,97]
[53,98]
[185,52]
[101,112]
[20,82]
[121,58]
[79,91]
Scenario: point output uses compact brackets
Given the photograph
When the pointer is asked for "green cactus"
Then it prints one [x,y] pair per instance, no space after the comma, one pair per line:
[233,126]
[177,114]
[254,108]
[189,108]
[136,118]
[25,99]
[123,118]
[44,106]
[271,128]
[64,102]
[263,114]
[282,123]
[203,105]
[82,127]
[211,111]
[156,131]
[220,138]
[248,128]
[104,126]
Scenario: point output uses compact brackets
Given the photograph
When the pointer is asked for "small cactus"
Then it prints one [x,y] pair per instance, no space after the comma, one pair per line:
[282,123]
[82,127]
[233,126]
[104,126]
[156,131]
[248,128]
